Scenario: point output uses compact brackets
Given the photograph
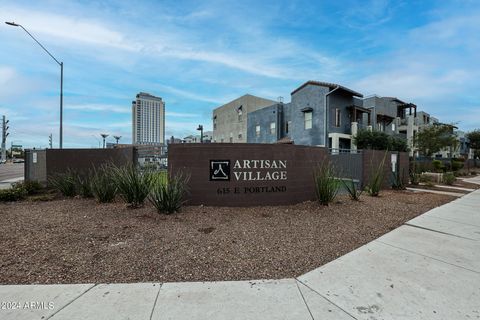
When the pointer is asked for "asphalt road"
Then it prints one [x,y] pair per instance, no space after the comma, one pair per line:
[11,171]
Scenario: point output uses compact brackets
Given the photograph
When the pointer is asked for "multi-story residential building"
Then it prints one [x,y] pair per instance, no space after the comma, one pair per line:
[230,120]
[148,119]
[396,117]
[322,114]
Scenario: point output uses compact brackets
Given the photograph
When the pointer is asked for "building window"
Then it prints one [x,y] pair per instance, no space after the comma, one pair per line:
[288,125]
[257,130]
[308,120]
[240,115]
[215,123]
[272,128]
[393,126]
[239,135]
[338,116]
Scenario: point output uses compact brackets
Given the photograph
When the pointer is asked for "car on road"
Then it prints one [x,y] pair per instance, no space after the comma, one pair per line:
[18,160]
[3,161]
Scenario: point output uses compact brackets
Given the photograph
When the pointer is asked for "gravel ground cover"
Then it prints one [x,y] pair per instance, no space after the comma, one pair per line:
[80,241]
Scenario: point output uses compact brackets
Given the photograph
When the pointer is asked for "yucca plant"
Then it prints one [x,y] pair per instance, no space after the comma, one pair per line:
[103,185]
[326,184]
[374,183]
[84,184]
[168,193]
[65,183]
[352,189]
[133,184]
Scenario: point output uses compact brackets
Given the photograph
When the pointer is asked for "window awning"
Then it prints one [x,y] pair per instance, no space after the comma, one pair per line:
[307,109]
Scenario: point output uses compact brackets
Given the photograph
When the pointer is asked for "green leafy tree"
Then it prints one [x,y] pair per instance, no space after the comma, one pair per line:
[434,138]
[474,138]
[378,140]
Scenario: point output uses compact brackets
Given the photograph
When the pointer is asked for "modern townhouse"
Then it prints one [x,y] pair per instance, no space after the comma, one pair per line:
[319,114]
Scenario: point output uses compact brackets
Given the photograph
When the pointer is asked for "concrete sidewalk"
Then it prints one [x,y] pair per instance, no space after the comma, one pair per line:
[428,268]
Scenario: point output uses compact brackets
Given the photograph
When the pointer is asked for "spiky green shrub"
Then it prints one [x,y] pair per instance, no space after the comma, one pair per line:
[414,177]
[168,193]
[448,178]
[65,183]
[397,181]
[351,187]
[375,181]
[84,184]
[133,184]
[326,183]
[103,184]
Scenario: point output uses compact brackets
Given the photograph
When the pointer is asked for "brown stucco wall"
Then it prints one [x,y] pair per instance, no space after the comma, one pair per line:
[194,159]
[372,160]
[83,160]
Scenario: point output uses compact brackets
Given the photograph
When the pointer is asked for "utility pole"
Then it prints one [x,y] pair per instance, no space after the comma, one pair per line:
[4,137]
[50,140]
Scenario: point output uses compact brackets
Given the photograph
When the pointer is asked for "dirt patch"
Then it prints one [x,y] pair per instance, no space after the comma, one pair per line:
[80,241]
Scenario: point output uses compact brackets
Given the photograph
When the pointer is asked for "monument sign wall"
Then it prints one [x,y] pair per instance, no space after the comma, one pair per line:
[224,174]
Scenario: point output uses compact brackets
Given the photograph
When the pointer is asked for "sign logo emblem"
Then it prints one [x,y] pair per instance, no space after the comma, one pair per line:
[219,170]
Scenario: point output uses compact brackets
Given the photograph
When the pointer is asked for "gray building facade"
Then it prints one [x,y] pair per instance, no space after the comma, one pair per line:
[230,119]
[319,114]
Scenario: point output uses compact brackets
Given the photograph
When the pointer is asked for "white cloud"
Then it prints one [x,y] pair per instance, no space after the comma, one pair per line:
[71,29]
[99,107]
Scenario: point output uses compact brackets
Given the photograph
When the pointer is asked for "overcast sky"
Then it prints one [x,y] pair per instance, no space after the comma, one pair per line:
[198,55]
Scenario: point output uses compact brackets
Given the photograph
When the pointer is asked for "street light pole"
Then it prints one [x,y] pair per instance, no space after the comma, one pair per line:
[104,136]
[200,128]
[61,76]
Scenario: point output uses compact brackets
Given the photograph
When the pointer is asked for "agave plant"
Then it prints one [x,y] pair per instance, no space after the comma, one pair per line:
[352,189]
[103,185]
[65,183]
[133,184]
[168,193]
[326,183]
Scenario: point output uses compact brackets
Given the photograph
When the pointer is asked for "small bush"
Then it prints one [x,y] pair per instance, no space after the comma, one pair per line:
[12,194]
[103,184]
[31,187]
[326,184]
[427,180]
[414,178]
[374,183]
[352,190]
[133,184]
[65,183]
[448,178]
[438,166]
[167,194]
[457,165]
